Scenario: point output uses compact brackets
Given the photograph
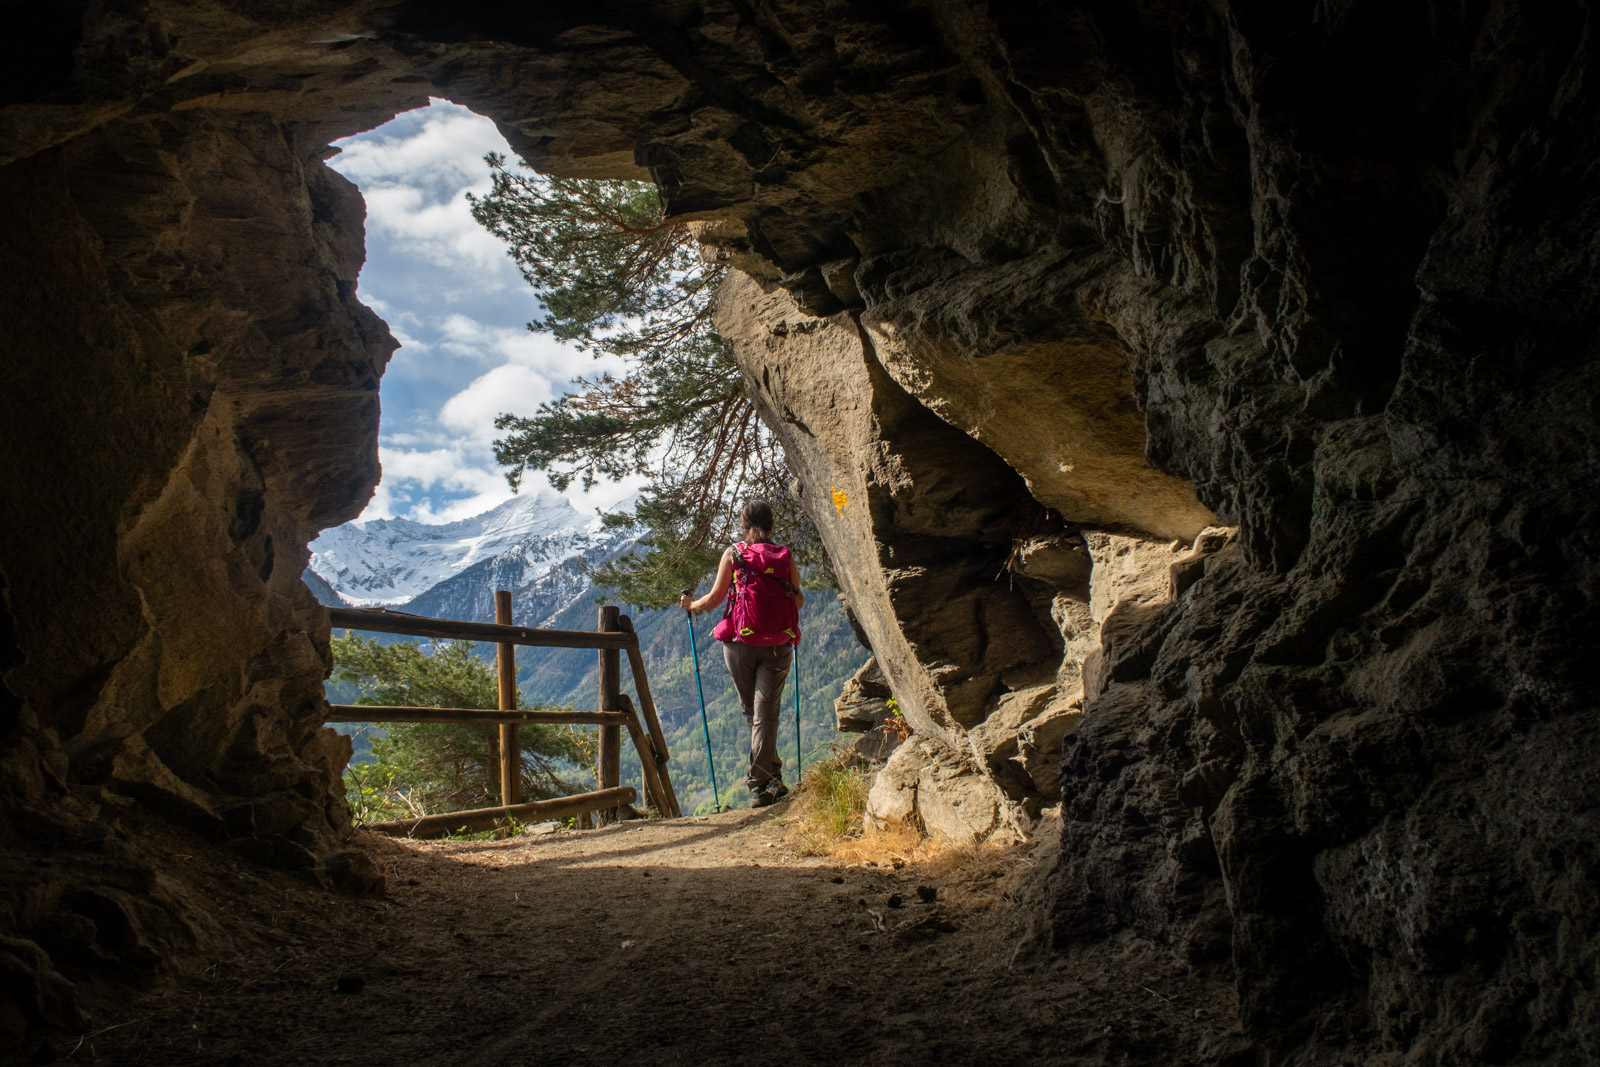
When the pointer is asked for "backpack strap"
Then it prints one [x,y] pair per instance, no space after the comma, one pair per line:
[741,567]
[745,576]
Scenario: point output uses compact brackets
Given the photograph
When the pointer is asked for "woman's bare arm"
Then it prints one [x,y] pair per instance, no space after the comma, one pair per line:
[719,588]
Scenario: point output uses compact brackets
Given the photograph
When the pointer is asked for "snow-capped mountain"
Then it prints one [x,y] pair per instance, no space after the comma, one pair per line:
[393,561]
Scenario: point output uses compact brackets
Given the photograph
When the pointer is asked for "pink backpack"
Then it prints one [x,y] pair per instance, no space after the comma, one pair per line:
[761,608]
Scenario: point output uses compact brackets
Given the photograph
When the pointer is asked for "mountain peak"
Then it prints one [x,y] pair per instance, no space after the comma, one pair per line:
[391,561]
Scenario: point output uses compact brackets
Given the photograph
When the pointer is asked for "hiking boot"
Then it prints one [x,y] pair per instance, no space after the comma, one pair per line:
[771,793]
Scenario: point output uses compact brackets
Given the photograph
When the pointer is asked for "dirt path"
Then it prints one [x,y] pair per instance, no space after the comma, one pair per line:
[698,941]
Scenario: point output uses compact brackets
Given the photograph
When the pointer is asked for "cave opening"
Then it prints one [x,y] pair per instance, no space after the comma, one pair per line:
[1337,777]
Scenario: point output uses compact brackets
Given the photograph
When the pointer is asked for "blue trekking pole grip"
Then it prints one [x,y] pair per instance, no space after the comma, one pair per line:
[688,617]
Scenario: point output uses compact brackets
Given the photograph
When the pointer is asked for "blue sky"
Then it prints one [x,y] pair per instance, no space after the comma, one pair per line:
[459,308]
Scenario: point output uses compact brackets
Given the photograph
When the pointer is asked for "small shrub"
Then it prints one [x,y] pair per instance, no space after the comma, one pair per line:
[896,724]
[376,794]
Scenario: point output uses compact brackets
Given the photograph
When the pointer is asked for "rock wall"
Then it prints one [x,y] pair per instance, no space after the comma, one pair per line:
[1022,278]
[980,604]
[191,394]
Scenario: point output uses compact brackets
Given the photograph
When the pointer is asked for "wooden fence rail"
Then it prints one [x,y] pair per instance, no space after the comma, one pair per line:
[614,635]
[455,822]
[382,620]
[385,713]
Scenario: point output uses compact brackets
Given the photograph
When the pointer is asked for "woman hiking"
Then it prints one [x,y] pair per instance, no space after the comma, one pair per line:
[758,631]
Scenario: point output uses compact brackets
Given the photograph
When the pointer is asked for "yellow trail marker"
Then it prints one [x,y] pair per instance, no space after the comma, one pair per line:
[839,499]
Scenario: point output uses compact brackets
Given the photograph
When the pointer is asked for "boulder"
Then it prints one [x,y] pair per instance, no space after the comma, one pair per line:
[926,785]
[960,806]
[892,800]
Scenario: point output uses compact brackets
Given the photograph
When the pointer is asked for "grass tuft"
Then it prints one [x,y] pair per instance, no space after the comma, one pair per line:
[828,819]
[829,805]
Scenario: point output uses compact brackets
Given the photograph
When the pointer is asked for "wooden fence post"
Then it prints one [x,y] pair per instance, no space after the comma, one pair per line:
[610,763]
[652,724]
[505,659]
[650,774]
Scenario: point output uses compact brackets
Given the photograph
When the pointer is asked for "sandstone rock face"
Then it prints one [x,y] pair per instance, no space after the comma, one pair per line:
[974,598]
[193,393]
[981,630]
[1019,276]
[917,516]
[959,342]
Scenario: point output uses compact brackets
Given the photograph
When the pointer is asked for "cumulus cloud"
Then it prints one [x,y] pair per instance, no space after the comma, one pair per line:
[386,503]
[446,151]
[415,183]
[436,468]
[436,485]
[540,353]
[510,387]
[605,496]
[442,233]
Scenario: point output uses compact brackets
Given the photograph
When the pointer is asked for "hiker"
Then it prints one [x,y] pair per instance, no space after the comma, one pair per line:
[759,630]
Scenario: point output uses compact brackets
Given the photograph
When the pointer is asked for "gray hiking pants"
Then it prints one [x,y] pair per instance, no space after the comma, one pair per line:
[758,675]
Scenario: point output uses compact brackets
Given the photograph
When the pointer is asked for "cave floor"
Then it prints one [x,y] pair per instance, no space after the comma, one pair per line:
[705,940]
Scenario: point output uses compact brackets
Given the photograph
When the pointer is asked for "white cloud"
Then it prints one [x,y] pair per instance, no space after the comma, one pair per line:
[448,149]
[440,468]
[408,343]
[605,495]
[416,438]
[415,185]
[470,339]
[509,387]
[441,233]
[416,481]
[556,361]
[386,503]
[464,508]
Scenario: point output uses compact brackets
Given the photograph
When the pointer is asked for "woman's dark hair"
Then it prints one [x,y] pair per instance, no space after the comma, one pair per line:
[757,517]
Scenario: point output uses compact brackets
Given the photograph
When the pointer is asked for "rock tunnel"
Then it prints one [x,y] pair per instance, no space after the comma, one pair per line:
[1255,343]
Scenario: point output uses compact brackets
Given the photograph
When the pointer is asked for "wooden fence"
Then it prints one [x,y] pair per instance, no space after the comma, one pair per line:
[613,637]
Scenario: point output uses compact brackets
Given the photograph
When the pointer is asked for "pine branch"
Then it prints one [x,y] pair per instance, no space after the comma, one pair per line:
[616,277]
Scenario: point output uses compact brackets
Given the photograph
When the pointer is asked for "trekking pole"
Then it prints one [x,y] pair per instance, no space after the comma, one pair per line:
[799,759]
[688,617]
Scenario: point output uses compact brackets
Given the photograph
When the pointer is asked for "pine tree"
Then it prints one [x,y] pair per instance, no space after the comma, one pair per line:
[618,278]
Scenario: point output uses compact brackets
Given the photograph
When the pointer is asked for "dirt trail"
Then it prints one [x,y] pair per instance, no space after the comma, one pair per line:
[698,941]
